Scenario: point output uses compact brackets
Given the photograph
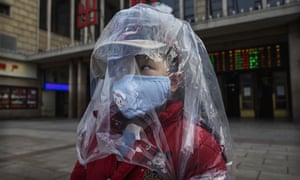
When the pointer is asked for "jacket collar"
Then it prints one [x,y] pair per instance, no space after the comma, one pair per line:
[173,112]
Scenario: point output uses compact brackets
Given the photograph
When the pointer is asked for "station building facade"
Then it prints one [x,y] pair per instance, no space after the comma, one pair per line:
[45,46]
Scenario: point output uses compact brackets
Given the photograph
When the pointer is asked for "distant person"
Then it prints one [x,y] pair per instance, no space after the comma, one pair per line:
[156,111]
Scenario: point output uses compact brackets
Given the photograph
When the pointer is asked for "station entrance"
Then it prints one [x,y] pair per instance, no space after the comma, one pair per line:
[254,81]
[256,94]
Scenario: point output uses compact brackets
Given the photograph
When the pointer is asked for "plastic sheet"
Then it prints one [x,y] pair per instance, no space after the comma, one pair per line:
[144,66]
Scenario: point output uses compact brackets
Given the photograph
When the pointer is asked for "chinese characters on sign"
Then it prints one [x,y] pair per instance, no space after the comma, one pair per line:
[87,14]
[18,69]
[8,67]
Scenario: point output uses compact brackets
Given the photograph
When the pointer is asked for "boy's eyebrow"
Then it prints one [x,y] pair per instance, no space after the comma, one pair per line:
[144,58]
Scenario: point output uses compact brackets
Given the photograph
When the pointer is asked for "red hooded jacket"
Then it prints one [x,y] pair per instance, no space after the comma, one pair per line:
[207,156]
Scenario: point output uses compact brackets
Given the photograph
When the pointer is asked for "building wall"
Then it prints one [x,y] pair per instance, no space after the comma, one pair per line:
[57,41]
[22,23]
[199,10]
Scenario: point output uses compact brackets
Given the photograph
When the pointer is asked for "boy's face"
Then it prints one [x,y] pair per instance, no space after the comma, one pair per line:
[143,65]
[139,65]
[151,67]
[141,85]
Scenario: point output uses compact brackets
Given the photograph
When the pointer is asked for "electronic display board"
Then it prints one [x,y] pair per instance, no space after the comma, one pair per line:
[269,56]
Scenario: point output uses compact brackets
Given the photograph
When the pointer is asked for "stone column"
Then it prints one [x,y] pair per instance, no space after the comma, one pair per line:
[72,21]
[264,3]
[224,7]
[102,14]
[121,4]
[81,87]
[72,91]
[49,8]
[294,44]
[181,9]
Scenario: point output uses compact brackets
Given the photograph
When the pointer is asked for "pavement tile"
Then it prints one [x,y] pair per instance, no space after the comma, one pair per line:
[45,149]
[26,170]
[295,157]
[253,159]
[294,171]
[276,161]
[249,166]
[294,149]
[260,146]
[243,174]
[273,176]
[274,168]
[7,176]
[260,155]
[279,156]
[240,153]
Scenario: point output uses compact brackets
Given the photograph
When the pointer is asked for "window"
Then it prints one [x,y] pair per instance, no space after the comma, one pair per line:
[173,4]
[214,8]
[4,9]
[60,16]
[8,42]
[18,97]
[275,2]
[60,20]
[43,14]
[240,6]
[189,10]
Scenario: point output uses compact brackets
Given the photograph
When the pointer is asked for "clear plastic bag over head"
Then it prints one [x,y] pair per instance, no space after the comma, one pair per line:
[155,98]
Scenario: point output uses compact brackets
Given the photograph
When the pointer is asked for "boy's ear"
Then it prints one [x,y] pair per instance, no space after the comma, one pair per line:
[175,79]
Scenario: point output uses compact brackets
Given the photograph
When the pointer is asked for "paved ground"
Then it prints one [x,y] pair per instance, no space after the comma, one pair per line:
[44,149]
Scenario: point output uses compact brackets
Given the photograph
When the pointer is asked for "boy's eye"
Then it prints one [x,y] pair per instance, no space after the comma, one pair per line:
[145,67]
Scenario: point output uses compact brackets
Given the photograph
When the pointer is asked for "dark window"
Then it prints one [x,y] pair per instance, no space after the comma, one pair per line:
[240,6]
[77,30]
[173,4]
[275,2]
[4,9]
[60,16]
[243,6]
[60,20]
[111,7]
[126,4]
[7,42]
[214,8]
[189,10]
[43,14]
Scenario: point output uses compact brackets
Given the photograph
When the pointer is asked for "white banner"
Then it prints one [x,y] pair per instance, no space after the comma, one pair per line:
[18,69]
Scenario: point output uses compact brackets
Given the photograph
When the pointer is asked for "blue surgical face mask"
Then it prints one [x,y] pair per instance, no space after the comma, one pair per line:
[135,95]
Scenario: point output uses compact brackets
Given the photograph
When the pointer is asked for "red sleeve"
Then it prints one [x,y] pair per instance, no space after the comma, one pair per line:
[208,155]
[79,172]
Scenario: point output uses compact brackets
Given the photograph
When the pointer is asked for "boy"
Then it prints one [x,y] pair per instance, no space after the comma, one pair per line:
[156,112]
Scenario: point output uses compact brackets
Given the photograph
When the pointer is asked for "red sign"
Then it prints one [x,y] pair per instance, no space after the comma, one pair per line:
[87,14]
[134,2]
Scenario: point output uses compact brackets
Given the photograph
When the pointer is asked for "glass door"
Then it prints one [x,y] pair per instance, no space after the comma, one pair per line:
[280,95]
